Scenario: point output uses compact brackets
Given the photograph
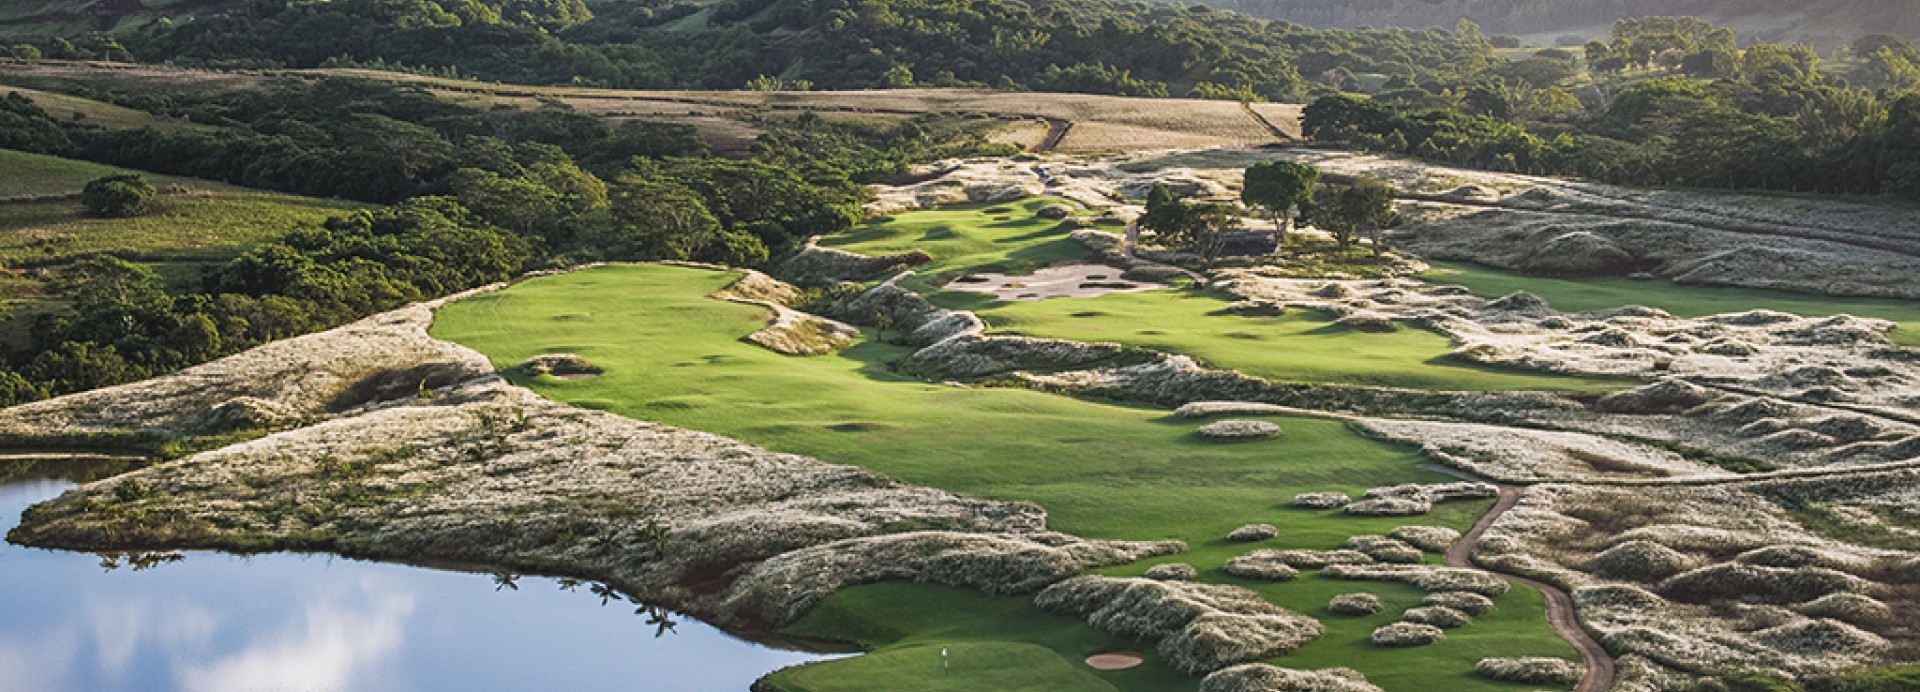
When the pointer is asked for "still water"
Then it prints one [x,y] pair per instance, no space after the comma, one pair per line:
[286,623]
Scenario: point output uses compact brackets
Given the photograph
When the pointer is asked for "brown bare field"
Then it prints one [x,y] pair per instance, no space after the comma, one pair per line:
[1099,123]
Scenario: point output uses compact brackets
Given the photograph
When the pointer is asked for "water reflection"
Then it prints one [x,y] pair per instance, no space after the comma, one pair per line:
[220,623]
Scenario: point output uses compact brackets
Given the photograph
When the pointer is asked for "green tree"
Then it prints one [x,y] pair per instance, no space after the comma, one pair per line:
[1279,188]
[897,77]
[118,196]
[1364,207]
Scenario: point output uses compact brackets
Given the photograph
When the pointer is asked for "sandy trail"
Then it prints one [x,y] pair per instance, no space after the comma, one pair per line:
[1560,615]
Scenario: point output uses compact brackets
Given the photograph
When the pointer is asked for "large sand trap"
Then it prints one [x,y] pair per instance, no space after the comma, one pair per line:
[1057,281]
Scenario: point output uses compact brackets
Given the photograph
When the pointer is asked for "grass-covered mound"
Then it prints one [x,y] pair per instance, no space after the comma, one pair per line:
[1581,295]
[1101,471]
[1300,346]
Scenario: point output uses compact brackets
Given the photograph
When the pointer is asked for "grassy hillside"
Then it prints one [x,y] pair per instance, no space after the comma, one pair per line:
[1101,471]
[43,227]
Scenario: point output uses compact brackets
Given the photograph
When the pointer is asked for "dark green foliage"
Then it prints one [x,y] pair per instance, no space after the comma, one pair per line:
[1279,187]
[118,196]
[1347,211]
[1197,227]
[25,127]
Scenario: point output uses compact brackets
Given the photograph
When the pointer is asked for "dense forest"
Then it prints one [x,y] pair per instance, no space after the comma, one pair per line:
[1675,103]
[1096,46]
[475,197]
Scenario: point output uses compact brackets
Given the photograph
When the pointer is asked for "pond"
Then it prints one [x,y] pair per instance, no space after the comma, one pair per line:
[294,622]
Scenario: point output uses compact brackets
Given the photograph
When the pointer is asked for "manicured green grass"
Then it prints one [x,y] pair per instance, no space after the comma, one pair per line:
[1580,295]
[1300,346]
[1005,237]
[1102,471]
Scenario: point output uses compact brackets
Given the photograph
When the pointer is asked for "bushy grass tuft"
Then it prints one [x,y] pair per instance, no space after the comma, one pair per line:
[1534,671]
[1355,604]
[1407,634]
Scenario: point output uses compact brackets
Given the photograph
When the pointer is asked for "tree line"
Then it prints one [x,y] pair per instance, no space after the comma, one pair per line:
[1694,112]
[472,197]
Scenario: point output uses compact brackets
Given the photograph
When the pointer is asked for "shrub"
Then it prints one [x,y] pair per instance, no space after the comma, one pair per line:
[1253,532]
[1424,577]
[1533,671]
[1355,604]
[1385,549]
[1201,627]
[1316,559]
[1736,581]
[1847,607]
[1642,561]
[1821,637]
[1438,616]
[1470,603]
[1407,634]
[1239,430]
[1173,571]
[118,196]
[1321,500]
[1430,538]
[1389,507]
[1265,565]
[1260,677]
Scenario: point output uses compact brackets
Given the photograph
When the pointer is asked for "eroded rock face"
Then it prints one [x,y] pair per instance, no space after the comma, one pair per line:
[482,472]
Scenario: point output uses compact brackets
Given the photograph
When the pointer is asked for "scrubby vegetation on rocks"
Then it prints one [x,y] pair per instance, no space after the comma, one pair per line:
[1407,634]
[1438,616]
[1200,627]
[1472,604]
[1535,671]
[1320,500]
[1641,561]
[1253,532]
[1425,577]
[1355,604]
[1265,565]
[1846,607]
[1239,430]
[559,364]
[1260,677]
[1385,549]
[1433,539]
[1172,571]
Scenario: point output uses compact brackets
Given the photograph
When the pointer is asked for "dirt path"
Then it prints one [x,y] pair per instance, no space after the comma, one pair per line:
[1056,131]
[1560,615]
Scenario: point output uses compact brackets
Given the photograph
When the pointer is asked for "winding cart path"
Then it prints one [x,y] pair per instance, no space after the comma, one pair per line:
[1599,664]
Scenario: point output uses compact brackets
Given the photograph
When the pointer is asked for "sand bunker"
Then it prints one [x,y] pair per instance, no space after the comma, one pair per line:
[1057,281]
[1115,660]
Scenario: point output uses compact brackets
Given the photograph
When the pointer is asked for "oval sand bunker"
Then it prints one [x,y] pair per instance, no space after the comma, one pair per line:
[1114,660]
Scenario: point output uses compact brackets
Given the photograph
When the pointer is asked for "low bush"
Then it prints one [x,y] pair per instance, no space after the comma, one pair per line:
[118,196]
[1407,634]
[1239,430]
[1435,539]
[1253,532]
[1532,671]
[1438,616]
[1424,577]
[1321,500]
[1260,677]
[1173,571]
[1265,565]
[1355,604]
[1385,549]
[1466,602]
[1641,561]
[1846,607]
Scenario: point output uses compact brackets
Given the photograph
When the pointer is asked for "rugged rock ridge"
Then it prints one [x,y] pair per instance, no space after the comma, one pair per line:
[478,471]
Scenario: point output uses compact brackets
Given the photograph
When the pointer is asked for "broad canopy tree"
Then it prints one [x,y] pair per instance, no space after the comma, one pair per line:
[1279,187]
[1348,211]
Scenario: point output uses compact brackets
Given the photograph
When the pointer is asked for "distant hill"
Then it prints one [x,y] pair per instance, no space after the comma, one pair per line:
[1824,22]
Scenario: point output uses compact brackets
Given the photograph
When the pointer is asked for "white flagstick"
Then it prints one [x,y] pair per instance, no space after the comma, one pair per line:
[943,659]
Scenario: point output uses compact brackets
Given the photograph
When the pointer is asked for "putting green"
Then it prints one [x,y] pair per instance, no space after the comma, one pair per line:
[1581,295]
[673,355]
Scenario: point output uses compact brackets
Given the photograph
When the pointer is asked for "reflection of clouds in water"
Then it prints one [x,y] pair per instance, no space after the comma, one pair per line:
[120,624]
[333,648]
[42,662]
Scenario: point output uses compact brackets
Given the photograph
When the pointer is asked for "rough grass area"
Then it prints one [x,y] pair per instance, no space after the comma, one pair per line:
[1580,295]
[1299,346]
[1102,472]
[193,221]
[100,113]
[1007,237]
